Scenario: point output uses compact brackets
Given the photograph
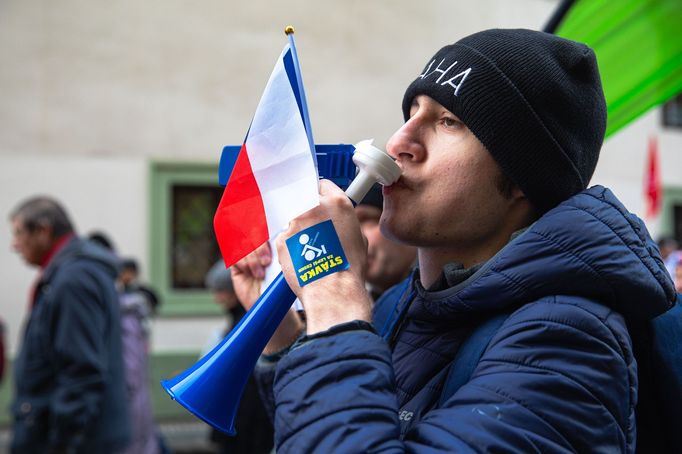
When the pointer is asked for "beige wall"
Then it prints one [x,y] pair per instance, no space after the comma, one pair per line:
[178,78]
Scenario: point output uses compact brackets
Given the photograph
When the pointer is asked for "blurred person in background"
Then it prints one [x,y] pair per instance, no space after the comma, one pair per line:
[129,282]
[388,262]
[669,253]
[138,303]
[2,350]
[69,378]
[677,274]
[102,239]
[254,429]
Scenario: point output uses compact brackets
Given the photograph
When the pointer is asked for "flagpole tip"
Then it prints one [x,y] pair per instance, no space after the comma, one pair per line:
[288,30]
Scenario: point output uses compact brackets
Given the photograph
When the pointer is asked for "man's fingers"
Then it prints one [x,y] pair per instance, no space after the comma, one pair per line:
[264,254]
[255,263]
[259,260]
[332,197]
[327,187]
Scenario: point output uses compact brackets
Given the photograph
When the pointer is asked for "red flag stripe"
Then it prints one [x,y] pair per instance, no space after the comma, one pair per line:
[241,201]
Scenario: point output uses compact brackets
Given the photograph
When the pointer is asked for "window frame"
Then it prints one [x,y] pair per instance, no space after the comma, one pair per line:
[163,175]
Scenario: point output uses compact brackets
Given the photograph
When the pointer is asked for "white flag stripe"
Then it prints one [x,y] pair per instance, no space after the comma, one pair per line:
[279,153]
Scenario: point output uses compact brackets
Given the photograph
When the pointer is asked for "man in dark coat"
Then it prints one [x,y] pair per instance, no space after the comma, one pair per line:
[501,137]
[68,373]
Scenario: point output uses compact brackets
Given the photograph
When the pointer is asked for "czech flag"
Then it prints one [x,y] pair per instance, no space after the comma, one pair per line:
[275,177]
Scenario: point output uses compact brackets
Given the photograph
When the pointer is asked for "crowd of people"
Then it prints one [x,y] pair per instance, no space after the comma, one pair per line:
[492,217]
[81,373]
[89,331]
[672,257]
[69,374]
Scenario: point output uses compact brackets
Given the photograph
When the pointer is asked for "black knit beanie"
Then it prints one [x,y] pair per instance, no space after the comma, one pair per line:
[533,99]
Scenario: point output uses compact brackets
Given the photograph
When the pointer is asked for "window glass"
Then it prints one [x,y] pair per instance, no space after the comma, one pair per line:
[193,244]
[672,112]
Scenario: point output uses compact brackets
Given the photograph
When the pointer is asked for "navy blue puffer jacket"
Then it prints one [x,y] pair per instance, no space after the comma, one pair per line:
[558,376]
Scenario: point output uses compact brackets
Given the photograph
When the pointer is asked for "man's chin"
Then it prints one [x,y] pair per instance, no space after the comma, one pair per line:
[30,262]
[387,225]
[391,229]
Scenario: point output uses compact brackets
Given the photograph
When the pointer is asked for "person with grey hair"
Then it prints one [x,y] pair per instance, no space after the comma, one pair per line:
[254,429]
[68,372]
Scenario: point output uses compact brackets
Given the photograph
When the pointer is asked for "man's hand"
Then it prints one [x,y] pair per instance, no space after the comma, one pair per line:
[248,275]
[247,278]
[339,297]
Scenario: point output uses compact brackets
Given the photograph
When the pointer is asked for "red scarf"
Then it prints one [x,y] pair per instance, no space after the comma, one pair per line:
[56,247]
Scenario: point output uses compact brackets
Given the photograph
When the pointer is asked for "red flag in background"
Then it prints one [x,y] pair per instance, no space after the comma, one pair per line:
[652,189]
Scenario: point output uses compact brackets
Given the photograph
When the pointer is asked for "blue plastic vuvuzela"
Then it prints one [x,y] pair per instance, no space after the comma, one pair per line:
[215,383]
[212,388]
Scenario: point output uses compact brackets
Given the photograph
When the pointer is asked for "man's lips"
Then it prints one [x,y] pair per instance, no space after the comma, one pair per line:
[398,185]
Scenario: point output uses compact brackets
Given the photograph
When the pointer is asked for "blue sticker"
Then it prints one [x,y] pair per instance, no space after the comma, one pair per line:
[316,252]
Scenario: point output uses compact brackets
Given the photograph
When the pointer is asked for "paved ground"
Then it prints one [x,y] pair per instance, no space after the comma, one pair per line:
[181,438]
[187,438]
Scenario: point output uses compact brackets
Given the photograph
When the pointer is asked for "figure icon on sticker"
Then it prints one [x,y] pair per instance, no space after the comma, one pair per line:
[309,251]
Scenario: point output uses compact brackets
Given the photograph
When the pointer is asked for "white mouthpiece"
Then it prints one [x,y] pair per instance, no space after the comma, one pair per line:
[374,165]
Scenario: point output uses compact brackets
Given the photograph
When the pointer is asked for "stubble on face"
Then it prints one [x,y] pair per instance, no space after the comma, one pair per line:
[387,261]
[448,195]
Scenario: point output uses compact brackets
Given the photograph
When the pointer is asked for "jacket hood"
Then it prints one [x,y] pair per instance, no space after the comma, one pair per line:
[78,248]
[588,246]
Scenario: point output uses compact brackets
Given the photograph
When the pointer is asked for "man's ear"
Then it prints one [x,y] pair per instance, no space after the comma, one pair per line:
[517,193]
[518,196]
[44,232]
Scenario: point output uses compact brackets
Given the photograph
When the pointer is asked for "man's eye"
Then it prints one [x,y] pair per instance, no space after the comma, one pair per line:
[449,122]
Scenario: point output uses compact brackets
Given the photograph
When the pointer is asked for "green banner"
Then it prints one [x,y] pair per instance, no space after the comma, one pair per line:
[639,48]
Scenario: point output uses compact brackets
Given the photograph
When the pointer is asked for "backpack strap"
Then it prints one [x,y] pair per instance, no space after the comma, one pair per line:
[657,346]
[391,308]
[469,354]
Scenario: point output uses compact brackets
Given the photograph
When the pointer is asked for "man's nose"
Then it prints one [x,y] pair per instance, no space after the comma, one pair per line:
[406,144]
